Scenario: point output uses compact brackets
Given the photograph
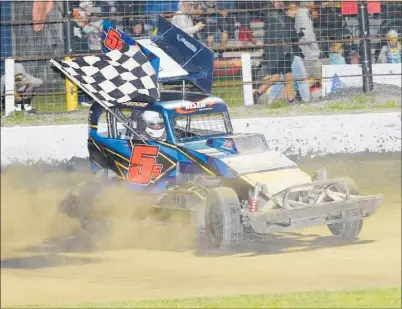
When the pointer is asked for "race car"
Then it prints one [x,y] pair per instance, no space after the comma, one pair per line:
[183,154]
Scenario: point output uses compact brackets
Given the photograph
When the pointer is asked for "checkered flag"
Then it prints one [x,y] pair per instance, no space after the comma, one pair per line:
[117,77]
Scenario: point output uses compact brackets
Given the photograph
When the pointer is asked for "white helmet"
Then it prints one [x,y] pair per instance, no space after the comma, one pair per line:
[154,124]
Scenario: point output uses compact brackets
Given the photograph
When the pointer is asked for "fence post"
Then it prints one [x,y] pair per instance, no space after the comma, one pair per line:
[9,89]
[247,79]
[70,87]
[365,47]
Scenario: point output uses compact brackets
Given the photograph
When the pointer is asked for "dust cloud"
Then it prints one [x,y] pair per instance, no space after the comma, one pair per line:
[30,217]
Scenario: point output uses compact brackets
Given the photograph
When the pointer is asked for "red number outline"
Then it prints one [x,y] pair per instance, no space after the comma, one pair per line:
[143,165]
[112,40]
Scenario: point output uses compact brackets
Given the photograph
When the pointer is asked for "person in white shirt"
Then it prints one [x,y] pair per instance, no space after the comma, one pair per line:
[184,21]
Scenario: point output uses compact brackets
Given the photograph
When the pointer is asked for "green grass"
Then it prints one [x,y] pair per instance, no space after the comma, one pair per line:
[52,108]
[369,298]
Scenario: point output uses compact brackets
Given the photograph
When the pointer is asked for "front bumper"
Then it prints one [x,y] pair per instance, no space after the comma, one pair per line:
[316,214]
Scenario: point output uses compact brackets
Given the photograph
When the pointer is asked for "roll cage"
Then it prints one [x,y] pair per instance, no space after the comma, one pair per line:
[124,121]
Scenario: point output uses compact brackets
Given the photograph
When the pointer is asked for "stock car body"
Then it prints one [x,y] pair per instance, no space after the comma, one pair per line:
[231,183]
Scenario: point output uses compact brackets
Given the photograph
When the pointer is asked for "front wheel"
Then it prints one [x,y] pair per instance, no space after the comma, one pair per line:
[222,219]
[350,229]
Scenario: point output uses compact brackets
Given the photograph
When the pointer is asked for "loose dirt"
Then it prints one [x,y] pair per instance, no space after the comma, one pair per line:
[46,260]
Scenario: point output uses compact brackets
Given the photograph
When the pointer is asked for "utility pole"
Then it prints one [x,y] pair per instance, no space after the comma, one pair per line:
[365,47]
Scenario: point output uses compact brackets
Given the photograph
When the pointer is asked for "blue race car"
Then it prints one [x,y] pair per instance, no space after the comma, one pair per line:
[182,153]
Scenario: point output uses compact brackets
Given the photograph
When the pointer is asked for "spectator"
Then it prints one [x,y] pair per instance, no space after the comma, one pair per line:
[131,25]
[183,20]
[284,59]
[392,52]
[250,10]
[311,51]
[226,22]
[336,54]
[25,86]
[216,21]
[354,57]
[138,29]
[87,34]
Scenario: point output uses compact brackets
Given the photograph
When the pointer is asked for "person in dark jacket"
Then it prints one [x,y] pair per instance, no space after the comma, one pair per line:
[280,50]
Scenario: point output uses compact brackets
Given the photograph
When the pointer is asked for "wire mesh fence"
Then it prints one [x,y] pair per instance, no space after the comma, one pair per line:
[289,41]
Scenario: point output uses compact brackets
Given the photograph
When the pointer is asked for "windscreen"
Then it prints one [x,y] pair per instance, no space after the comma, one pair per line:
[200,126]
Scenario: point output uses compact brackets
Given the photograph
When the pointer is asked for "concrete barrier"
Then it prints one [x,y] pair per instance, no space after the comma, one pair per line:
[300,136]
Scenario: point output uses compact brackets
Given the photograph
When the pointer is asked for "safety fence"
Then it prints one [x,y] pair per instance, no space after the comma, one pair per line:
[297,50]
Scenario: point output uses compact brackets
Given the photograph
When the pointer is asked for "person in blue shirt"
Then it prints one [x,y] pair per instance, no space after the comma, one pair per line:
[336,54]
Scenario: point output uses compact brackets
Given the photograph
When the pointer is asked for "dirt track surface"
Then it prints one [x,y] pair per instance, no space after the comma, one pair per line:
[45,260]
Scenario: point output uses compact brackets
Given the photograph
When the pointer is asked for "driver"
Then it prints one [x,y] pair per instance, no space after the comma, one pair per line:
[154,125]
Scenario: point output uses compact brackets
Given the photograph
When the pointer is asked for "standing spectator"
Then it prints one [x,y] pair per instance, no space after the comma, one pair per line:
[183,20]
[283,59]
[311,51]
[392,52]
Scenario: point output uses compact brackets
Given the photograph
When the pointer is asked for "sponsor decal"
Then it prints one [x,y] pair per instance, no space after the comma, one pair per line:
[228,144]
[136,104]
[192,107]
[187,43]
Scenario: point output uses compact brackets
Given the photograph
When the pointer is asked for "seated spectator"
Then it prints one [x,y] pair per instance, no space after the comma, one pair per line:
[131,9]
[248,11]
[183,20]
[336,54]
[392,52]
[25,86]
[215,23]
[138,29]
[354,57]
[226,20]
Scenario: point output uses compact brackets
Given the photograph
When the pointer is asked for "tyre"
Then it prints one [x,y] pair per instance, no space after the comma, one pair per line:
[348,230]
[222,219]
[79,204]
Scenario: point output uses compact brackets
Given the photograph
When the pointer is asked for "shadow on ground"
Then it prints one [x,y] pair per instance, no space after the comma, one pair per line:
[251,245]
[44,261]
[282,243]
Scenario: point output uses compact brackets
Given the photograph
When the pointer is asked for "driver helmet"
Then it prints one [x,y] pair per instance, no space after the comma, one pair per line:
[154,124]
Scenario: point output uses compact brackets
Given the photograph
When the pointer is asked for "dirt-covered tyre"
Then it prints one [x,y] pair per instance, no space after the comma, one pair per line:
[222,219]
[348,230]
[78,203]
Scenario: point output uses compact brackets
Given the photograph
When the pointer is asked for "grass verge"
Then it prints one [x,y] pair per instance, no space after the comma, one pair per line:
[368,298]
[52,111]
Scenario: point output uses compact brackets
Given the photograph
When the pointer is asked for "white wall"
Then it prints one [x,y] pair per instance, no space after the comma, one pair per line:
[380,72]
[303,135]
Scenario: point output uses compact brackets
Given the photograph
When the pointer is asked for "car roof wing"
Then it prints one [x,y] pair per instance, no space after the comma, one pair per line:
[177,49]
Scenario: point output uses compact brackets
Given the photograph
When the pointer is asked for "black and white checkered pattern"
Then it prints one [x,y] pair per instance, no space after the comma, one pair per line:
[116,77]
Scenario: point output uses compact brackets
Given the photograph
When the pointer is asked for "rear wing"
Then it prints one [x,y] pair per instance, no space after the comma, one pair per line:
[175,55]
[182,57]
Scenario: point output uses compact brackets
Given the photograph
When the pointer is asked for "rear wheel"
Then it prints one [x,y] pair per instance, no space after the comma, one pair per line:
[222,219]
[79,203]
[350,229]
